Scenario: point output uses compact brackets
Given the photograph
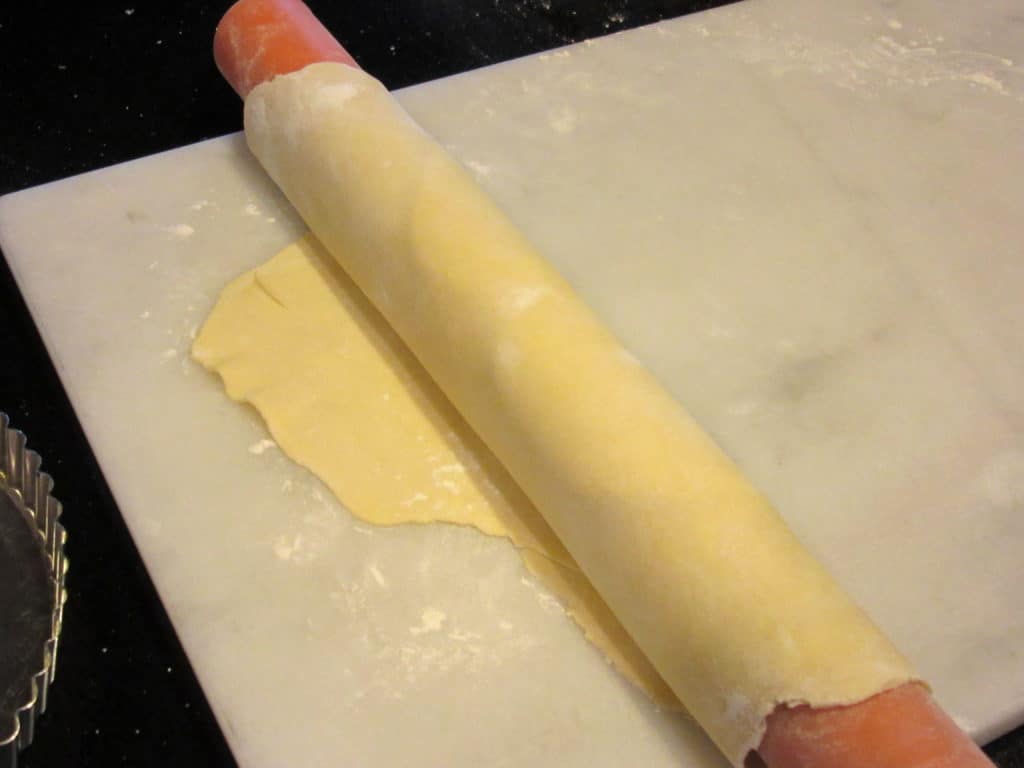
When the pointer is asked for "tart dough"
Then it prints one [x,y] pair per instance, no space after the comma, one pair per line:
[345,398]
[729,607]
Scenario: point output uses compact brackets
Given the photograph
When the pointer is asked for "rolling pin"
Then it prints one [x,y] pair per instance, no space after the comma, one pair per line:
[755,638]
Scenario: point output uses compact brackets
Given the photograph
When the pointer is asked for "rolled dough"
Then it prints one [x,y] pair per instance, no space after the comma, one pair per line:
[343,396]
[733,612]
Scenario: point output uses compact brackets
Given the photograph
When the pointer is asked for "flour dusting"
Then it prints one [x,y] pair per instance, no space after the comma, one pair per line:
[889,58]
[449,478]
[965,725]
[261,446]
[377,575]
[181,230]
[547,601]
[521,298]
[430,621]
[335,96]
[480,169]
[283,547]
[301,547]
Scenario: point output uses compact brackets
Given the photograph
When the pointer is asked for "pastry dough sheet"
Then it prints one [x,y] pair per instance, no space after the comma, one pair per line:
[729,607]
[345,398]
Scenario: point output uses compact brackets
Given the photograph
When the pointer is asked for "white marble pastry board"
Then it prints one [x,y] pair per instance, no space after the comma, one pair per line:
[806,220]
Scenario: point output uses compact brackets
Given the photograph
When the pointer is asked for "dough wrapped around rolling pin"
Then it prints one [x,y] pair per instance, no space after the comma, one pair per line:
[734,613]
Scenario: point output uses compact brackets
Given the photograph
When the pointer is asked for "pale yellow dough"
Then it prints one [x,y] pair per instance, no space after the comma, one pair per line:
[344,397]
[732,611]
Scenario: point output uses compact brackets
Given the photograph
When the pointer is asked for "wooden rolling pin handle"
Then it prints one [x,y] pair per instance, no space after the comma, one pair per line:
[257,40]
[900,728]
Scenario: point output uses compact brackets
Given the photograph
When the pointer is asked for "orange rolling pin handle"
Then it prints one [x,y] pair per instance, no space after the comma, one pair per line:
[902,728]
[259,39]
